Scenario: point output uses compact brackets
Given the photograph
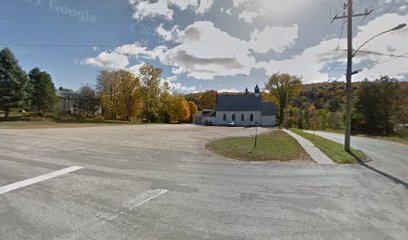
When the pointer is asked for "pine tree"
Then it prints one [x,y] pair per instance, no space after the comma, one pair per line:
[43,95]
[15,87]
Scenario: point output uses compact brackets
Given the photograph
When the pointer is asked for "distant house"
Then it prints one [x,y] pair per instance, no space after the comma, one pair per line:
[242,109]
[68,102]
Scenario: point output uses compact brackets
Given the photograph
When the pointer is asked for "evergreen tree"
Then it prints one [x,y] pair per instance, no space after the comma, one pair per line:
[15,87]
[43,94]
[377,106]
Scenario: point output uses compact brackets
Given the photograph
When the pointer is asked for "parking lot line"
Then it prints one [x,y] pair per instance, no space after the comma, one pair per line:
[34,180]
[145,197]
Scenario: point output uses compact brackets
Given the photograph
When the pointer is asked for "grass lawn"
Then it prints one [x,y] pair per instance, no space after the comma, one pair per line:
[332,149]
[402,140]
[275,145]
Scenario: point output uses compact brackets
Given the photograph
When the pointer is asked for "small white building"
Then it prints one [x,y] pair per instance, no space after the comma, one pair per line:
[242,109]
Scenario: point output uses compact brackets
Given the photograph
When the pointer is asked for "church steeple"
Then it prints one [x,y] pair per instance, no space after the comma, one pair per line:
[257,91]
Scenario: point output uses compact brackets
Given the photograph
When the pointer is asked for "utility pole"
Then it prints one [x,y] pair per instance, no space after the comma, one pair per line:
[286,110]
[349,104]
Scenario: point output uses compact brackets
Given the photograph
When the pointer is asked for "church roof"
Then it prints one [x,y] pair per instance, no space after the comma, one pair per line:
[268,109]
[245,103]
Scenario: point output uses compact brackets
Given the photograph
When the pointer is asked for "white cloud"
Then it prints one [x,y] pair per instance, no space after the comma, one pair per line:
[110,60]
[248,16]
[277,8]
[230,90]
[143,9]
[206,51]
[167,35]
[273,38]
[135,68]
[391,43]
[205,5]
[176,86]
[164,8]
[310,64]
[136,50]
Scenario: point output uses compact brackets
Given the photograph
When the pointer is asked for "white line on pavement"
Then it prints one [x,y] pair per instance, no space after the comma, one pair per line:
[145,197]
[134,203]
[34,180]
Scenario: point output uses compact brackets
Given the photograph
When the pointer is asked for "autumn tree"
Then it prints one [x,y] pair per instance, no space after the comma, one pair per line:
[165,103]
[193,109]
[43,93]
[129,95]
[150,79]
[15,87]
[207,100]
[88,101]
[107,85]
[179,109]
[283,88]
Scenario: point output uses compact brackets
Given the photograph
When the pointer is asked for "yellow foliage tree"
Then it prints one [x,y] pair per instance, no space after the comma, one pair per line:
[193,109]
[180,111]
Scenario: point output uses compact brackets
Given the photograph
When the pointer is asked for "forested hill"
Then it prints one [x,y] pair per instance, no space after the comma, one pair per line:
[319,94]
[316,94]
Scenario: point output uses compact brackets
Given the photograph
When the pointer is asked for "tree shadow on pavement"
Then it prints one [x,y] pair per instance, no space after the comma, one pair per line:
[392,178]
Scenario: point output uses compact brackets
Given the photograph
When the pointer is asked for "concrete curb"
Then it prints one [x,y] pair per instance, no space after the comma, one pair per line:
[317,155]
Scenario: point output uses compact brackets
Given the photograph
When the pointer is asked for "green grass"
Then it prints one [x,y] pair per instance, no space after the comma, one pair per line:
[332,149]
[275,145]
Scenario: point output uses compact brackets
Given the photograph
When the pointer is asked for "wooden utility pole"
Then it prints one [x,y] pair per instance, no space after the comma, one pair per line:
[350,53]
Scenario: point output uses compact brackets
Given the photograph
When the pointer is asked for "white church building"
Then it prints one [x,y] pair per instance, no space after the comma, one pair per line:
[241,109]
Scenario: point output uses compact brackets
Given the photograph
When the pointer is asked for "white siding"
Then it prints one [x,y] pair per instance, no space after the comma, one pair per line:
[268,121]
[238,122]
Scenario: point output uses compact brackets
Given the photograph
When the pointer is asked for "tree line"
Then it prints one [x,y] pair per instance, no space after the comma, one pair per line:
[145,97]
[119,93]
[379,107]
[19,89]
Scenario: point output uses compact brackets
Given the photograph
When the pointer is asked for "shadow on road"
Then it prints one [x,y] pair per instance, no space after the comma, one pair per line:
[392,178]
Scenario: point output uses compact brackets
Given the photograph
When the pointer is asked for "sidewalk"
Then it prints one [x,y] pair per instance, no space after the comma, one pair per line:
[317,155]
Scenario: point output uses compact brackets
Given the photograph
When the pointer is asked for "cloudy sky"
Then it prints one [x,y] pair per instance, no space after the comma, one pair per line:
[203,44]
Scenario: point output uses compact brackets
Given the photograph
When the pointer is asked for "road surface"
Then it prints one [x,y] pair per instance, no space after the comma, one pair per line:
[389,157]
[159,182]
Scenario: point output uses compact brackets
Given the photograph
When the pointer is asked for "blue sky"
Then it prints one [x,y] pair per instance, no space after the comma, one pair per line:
[201,44]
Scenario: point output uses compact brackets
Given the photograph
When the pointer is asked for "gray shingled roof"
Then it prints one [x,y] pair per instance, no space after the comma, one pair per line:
[268,109]
[238,103]
[244,103]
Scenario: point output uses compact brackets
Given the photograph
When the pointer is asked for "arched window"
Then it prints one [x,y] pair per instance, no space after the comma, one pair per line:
[233,117]
[251,118]
[224,118]
[242,117]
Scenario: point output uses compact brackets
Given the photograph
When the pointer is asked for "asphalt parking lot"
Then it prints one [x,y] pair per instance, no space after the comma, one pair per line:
[159,182]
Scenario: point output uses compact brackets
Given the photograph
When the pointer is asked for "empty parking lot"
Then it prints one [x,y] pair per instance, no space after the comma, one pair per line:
[159,182]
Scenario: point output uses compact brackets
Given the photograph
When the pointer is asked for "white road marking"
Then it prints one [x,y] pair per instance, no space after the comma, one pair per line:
[134,203]
[145,197]
[38,179]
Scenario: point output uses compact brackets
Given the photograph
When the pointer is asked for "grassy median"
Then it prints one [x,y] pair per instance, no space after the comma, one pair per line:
[275,145]
[332,149]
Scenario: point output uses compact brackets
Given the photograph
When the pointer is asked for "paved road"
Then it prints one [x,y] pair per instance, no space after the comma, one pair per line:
[388,157]
[158,182]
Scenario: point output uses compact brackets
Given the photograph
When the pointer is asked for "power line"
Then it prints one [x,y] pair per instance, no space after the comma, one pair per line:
[332,66]
[53,45]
